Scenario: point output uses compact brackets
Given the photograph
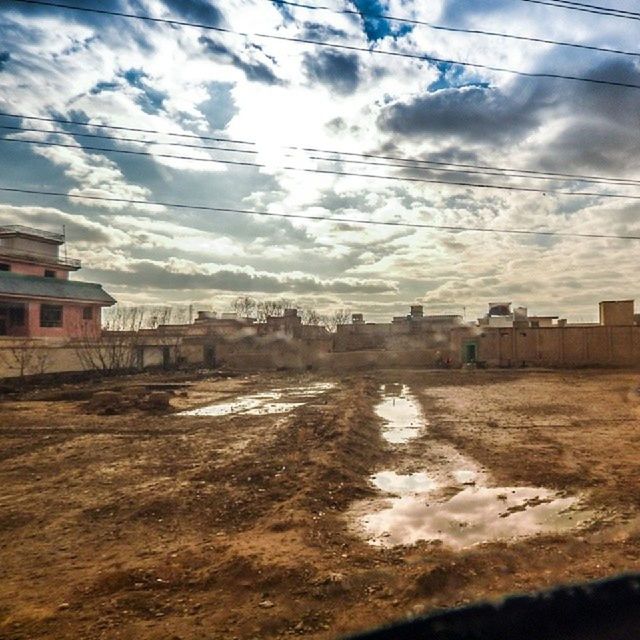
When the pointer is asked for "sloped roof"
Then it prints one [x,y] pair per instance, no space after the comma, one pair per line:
[16,284]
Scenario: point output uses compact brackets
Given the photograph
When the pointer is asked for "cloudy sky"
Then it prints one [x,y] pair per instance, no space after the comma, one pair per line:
[279,94]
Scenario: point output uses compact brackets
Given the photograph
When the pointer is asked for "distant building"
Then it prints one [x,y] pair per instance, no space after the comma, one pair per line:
[617,313]
[37,299]
[500,315]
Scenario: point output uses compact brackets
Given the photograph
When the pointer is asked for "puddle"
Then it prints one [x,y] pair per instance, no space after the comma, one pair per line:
[452,500]
[392,482]
[265,403]
[472,516]
[401,413]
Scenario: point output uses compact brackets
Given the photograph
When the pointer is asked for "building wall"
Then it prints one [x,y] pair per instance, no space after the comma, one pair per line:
[44,356]
[617,312]
[569,346]
[29,269]
[31,245]
[73,325]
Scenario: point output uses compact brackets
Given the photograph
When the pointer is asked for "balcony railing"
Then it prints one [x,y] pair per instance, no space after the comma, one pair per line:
[32,256]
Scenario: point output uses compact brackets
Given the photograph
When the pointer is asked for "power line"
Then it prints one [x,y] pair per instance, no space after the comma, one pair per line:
[593,7]
[319,218]
[419,161]
[413,167]
[439,27]
[343,47]
[456,183]
[589,8]
[119,128]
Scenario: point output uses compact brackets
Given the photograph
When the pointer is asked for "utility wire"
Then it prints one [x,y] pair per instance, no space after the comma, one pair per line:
[456,183]
[343,47]
[439,27]
[414,160]
[413,167]
[584,5]
[300,216]
[589,8]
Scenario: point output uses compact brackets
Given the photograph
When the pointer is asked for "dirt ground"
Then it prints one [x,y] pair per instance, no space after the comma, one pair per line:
[150,525]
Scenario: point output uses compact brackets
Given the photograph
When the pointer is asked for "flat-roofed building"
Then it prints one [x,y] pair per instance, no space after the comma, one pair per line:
[37,299]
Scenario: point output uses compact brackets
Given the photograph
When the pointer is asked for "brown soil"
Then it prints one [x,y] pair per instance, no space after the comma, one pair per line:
[152,525]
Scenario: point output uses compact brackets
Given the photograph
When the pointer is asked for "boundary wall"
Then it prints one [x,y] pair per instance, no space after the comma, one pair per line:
[548,347]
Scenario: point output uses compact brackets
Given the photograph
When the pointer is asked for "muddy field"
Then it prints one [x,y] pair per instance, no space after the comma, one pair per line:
[282,511]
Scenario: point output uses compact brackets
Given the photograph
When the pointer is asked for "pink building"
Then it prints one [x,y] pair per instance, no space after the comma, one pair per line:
[37,299]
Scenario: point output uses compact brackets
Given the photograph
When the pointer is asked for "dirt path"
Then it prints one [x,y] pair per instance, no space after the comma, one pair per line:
[165,526]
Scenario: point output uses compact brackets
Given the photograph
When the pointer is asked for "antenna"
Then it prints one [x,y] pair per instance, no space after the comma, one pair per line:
[64,238]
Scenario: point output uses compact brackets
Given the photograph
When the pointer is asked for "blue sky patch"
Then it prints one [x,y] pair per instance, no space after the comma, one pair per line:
[150,100]
[450,76]
[99,87]
[378,28]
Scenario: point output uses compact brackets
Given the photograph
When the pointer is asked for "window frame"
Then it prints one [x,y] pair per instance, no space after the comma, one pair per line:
[49,323]
[87,313]
[17,316]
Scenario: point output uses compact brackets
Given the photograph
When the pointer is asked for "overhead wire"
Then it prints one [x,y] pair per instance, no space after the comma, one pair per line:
[416,161]
[342,47]
[438,27]
[335,172]
[322,218]
[504,173]
[588,8]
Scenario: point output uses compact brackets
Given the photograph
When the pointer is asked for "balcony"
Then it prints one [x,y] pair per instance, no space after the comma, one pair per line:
[40,258]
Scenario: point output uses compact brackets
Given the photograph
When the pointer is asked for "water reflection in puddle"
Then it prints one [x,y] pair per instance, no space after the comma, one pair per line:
[268,402]
[471,516]
[392,482]
[401,414]
[452,501]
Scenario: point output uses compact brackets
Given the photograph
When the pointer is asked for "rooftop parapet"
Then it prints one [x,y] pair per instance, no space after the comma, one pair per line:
[11,230]
[23,254]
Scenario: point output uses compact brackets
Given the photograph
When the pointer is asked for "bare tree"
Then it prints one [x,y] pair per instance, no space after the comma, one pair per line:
[20,355]
[338,317]
[117,347]
[271,308]
[245,306]
[310,316]
[41,360]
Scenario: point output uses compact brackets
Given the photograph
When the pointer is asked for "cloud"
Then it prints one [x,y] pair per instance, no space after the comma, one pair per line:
[196,10]
[338,71]
[280,95]
[184,275]
[254,70]
[5,56]
[472,114]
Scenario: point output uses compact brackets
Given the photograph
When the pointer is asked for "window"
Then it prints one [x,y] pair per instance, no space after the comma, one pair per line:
[50,315]
[87,313]
[48,273]
[4,266]
[16,316]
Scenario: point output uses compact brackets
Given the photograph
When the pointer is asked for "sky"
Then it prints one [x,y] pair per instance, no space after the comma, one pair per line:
[277,94]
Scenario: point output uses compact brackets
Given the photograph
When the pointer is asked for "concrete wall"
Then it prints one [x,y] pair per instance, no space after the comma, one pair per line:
[579,346]
[616,312]
[570,346]
[264,353]
[37,357]
[31,246]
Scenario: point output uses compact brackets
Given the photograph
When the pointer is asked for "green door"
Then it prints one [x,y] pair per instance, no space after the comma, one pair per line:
[470,352]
